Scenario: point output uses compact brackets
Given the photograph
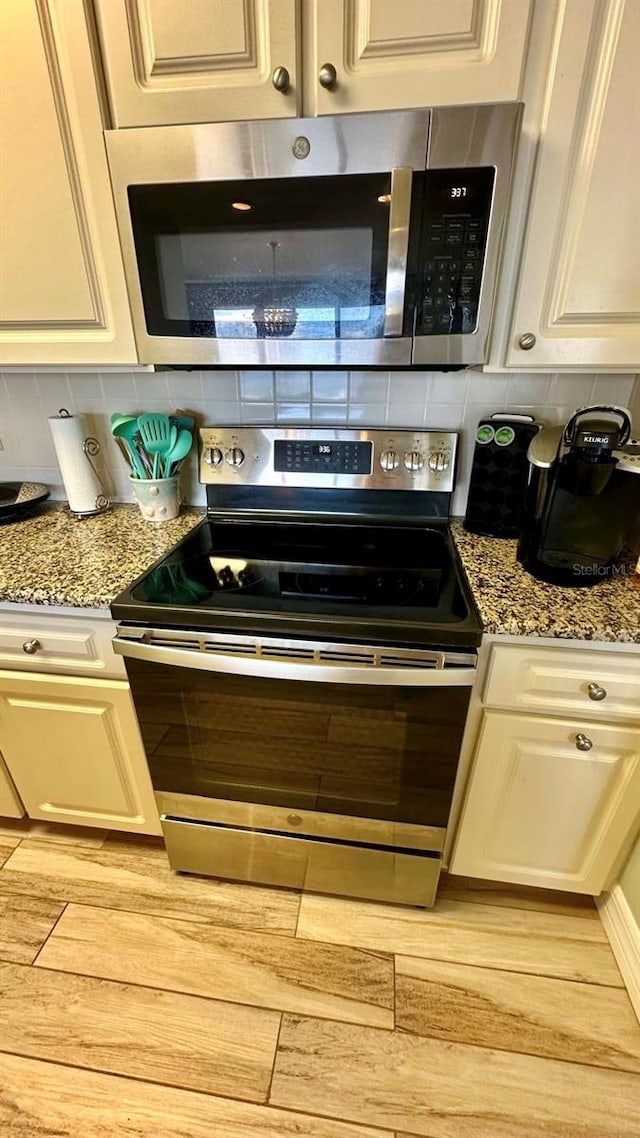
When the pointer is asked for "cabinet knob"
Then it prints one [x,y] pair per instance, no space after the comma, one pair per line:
[583,743]
[281,79]
[31,647]
[596,692]
[527,341]
[294,819]
[328,77]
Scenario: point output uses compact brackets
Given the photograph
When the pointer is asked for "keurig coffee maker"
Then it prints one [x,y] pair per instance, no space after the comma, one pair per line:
[583,497]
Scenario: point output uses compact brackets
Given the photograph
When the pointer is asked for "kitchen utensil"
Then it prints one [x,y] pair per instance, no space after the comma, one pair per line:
[499,474]
[157,434]
[179,450]
[183,420]
[126,427]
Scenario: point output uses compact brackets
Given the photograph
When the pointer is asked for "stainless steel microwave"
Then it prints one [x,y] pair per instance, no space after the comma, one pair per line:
[356,240]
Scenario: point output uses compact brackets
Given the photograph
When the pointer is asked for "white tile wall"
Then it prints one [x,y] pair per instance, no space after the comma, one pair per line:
[454,400]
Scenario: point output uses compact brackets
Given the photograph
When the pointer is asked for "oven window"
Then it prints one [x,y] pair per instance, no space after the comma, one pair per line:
[372,752]
[295,258]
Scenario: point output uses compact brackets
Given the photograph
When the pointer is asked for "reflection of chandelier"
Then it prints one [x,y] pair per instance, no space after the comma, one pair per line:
[274,319]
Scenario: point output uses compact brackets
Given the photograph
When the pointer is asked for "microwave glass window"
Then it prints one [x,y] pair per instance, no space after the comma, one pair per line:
[285,258]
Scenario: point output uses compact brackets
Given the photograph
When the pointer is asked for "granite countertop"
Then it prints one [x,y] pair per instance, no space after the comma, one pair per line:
[512,602]
[52,558]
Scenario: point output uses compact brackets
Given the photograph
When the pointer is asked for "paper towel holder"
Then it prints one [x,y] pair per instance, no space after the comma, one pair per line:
[90,447]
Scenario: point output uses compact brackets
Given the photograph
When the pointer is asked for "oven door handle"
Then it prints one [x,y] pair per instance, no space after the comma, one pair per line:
[295,669]
[397,251]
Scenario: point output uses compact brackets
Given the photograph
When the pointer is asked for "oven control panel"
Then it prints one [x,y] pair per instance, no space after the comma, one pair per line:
[377,459]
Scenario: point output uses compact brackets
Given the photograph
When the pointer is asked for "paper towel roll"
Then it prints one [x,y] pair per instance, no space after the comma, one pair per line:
[83,487]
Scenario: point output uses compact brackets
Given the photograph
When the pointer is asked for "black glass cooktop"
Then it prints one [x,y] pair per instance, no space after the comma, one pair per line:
[398,583]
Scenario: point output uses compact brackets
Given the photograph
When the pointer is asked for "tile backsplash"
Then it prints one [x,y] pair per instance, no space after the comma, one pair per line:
[454,400]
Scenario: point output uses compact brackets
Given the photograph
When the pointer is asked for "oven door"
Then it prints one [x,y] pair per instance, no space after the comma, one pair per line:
[328,767]
[269,242]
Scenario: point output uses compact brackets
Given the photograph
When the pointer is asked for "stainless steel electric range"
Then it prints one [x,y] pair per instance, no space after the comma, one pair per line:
[301,663]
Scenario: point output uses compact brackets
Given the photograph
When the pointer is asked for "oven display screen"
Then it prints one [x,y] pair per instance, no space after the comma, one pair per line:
[331,457]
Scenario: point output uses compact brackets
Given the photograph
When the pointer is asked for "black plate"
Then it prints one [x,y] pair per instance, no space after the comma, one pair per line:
[18,498]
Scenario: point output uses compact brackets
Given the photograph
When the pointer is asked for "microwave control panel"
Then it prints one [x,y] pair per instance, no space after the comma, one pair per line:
[455,224]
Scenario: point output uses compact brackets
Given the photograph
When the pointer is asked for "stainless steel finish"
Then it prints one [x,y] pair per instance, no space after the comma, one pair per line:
[527,341]
[316,823]
[474,136]
[328,77]
[543,448]
[31,647]
[583,743]
[596,692]
[203,152]
[298,862]
[399,215]
[389,460]
[281,79]
[257,443]
[344,144]
[308,660]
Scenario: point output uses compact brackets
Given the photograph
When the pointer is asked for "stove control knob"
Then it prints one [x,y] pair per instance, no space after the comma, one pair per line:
[389,460]
[438,460]
[413,460]
[213,456]
[235,456]
[243,579]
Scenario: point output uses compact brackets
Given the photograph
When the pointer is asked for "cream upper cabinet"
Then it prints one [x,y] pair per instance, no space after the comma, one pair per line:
[186,61]
[62,290]
[578,298]
[73,749]
[389,54]
[10,804]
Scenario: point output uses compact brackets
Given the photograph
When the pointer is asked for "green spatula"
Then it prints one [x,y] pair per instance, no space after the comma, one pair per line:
[158,437]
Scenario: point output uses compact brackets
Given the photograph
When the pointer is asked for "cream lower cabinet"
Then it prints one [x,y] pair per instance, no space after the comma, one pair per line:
[553,795]
[63,298]
[541,811]
[73,749]
[10,804]
[578,298]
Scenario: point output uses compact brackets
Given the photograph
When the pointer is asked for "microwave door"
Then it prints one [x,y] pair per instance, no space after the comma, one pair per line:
[300,271]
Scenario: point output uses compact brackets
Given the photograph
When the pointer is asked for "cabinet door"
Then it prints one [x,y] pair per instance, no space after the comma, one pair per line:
[10,804]
[403,53]
[540,811]
[579,291]
[74,751]
[168,61]
[62,292]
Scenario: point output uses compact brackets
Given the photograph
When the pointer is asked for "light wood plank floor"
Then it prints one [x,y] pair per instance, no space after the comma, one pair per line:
[135,1003]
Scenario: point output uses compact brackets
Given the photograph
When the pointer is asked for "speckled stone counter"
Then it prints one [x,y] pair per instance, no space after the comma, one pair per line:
[512,602]
[53,558]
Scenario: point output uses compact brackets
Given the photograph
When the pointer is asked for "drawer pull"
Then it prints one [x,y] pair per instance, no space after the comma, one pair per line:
[31,647]
[583,743]
[597,692]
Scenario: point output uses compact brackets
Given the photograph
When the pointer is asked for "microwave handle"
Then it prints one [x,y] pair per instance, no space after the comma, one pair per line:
[399,215]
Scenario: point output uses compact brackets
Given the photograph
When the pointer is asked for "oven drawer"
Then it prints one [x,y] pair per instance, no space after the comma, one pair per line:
[302,862]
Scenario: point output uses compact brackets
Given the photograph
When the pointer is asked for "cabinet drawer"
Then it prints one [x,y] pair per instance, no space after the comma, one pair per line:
[58,644]
[592,685]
